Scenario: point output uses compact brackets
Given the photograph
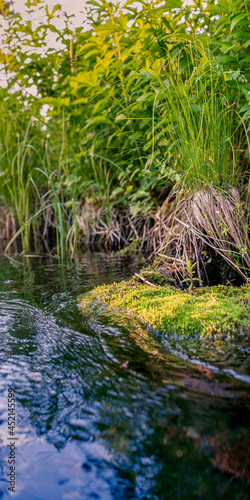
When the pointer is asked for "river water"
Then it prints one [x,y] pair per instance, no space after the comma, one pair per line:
[107,410]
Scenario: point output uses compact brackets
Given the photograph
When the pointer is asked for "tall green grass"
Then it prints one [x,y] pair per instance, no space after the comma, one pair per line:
[17,160]
[32,182]
[201,127]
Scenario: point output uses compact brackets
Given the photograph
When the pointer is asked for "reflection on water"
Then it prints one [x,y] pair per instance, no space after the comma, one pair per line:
[107,410]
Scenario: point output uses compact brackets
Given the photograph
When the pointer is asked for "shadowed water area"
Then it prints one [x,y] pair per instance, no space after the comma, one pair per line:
[106,409]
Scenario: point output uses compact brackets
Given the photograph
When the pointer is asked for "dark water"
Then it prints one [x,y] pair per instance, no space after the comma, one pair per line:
[106,410]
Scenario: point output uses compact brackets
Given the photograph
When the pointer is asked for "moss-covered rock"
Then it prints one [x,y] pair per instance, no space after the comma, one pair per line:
[216,310]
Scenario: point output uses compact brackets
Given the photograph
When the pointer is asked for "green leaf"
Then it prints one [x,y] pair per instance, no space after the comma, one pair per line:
[167,24]
[237,18]
[116,191]
[93,2]
[106,28]
[242,35]
[56,101]
[85,79]
[246,115]
[99,106]
[225,59]
[56,8]
[227,5]
[245,59]
[173,4]
[98,119]
[246,107]
[83,100]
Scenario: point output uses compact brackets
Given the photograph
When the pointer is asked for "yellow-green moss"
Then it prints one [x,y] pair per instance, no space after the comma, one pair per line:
[216,310]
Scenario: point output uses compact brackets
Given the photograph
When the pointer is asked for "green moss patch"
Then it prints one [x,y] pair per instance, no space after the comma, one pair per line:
[216,310]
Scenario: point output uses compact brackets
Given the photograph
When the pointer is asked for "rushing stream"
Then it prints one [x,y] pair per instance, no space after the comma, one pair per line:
[105,409]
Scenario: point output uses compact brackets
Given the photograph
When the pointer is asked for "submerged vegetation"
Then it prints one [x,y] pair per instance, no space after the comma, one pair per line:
[133,127]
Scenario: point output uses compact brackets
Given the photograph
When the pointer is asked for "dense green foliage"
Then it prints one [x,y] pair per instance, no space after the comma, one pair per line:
[138,102]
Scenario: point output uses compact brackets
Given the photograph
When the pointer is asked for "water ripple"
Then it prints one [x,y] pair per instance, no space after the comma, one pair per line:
[107,409]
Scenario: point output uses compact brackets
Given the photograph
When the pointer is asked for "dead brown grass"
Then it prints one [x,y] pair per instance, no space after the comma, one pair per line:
[178,231]
[213,219]
[8,227]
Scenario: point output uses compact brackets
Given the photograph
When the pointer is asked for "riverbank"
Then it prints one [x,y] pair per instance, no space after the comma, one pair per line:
[209,311]
[137,138]
[205,236]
